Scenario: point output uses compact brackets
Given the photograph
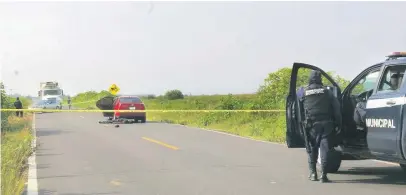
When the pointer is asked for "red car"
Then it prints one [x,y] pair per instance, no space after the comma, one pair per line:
[129,103]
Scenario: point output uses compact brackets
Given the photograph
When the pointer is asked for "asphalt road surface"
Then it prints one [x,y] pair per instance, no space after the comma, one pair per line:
[76,155]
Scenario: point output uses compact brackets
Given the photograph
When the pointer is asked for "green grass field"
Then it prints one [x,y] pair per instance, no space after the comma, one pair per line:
[15,150]
[262,126]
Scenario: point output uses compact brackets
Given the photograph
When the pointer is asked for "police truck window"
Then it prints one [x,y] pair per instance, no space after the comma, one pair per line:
[392,79]
[366,84]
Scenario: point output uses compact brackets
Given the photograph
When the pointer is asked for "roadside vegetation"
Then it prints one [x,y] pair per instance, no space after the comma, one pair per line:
[15,146]
[267,126]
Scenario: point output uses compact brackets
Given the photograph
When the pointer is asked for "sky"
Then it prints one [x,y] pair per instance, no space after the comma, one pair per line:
[196,47]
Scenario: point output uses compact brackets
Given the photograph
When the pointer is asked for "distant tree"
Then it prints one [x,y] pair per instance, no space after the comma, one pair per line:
[273,92]
[174,94]
[151,96]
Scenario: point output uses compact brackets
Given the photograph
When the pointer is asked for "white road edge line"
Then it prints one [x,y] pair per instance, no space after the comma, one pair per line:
[32,187]
[229,134]
[252,139]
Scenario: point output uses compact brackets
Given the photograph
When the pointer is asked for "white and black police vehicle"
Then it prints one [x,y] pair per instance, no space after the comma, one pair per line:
[383,133]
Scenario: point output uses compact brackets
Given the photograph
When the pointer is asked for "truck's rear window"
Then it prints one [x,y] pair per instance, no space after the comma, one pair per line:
[130,100]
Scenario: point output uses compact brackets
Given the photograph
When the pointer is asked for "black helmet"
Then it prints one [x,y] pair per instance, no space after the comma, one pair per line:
[315,77]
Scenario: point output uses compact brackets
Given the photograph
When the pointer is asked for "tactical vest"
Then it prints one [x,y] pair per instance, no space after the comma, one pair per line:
[316,101]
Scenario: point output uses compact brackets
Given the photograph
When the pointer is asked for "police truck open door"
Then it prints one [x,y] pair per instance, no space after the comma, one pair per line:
[349,97]
[349,141]
[294,108]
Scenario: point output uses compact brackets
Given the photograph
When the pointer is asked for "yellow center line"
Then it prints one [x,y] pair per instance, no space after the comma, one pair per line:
[161,143]
[114,182]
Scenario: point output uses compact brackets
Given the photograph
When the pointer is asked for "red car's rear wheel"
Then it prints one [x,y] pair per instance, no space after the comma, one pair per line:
[143,119]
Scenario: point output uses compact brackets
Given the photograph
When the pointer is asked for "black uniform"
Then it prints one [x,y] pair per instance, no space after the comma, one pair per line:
[18,105]
[69,103]
[323,111]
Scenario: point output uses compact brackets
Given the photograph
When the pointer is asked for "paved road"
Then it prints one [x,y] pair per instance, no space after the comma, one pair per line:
[77,155]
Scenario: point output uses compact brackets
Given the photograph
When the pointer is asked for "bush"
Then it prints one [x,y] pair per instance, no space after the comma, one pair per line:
[88,99]
[151,97]
[230,103]
[5,103]
[174,94]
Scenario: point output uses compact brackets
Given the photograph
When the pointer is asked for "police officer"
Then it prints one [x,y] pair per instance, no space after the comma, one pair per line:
[18,105]
[323,116]
[69,102]
[394,82]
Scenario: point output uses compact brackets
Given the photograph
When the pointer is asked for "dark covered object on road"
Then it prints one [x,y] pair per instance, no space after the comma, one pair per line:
[106,103]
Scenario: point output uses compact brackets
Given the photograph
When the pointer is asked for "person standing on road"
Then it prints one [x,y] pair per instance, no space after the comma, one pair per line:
[18,105]
[69,102]
[322,116]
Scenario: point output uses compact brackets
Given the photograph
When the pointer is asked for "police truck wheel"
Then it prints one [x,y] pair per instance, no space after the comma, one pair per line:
[333,159]
[403,166]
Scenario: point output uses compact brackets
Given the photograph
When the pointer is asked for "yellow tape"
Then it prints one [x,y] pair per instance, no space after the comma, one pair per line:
[82,102]
[75,103]
[56,110]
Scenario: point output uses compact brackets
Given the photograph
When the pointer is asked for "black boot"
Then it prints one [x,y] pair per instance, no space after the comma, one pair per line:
[324,178]
[313,172]
[313,176]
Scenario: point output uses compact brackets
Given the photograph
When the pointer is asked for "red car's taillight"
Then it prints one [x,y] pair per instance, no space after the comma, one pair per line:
[140,106]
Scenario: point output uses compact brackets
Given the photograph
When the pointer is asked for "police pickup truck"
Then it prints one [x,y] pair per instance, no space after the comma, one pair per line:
[383,133]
